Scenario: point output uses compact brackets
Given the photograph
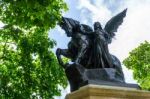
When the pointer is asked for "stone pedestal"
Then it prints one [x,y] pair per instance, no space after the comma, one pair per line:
[108,92]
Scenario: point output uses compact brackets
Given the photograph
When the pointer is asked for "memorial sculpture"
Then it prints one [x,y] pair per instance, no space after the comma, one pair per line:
[88,50]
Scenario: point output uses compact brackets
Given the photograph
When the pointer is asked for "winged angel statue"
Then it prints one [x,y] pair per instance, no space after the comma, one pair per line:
[88,50]
[89,47]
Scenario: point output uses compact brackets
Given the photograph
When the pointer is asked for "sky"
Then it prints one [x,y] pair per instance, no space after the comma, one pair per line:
[134,30]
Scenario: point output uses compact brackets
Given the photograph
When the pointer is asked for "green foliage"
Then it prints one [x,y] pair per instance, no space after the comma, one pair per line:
[65,60]
[139,62]
[28,67]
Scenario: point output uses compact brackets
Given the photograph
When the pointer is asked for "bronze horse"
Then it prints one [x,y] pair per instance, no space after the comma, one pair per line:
[79,44]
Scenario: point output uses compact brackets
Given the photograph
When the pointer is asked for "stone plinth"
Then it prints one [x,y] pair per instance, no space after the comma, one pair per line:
[108,92]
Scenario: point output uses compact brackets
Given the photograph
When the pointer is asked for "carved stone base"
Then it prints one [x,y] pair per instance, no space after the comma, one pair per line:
[108,92]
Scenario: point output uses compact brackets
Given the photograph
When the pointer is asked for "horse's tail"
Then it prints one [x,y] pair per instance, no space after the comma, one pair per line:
[117,66]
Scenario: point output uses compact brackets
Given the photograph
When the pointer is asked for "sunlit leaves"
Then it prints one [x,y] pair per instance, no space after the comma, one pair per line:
[139,62]
[28,67]
[33,12]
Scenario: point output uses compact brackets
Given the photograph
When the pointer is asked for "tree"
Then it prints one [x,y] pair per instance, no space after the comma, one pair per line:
[28,67]
[139,62]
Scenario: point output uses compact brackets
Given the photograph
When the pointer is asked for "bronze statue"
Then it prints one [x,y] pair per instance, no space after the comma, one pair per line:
[88,50]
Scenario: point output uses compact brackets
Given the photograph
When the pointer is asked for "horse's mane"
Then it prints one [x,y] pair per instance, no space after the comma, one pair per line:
[72,22]
[87,28]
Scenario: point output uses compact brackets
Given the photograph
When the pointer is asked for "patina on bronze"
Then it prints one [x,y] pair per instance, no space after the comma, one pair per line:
[88,50]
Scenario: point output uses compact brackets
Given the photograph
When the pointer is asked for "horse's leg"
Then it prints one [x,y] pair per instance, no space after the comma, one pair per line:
[63,52]
[58,54]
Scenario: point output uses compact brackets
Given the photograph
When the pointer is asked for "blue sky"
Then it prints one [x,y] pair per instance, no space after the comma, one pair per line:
[134,30]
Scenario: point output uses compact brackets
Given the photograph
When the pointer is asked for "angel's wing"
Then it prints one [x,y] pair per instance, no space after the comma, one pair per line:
[113,24]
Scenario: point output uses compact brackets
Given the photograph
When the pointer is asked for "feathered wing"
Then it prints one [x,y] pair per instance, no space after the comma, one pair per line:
[113,24]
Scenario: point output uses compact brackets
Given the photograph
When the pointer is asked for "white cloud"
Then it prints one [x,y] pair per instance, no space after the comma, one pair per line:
[96,12]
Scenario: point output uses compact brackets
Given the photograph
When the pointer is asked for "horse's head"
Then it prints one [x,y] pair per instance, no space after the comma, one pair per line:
[68,25]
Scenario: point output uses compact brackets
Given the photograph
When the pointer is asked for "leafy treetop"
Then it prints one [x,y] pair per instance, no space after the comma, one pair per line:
[139,62]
